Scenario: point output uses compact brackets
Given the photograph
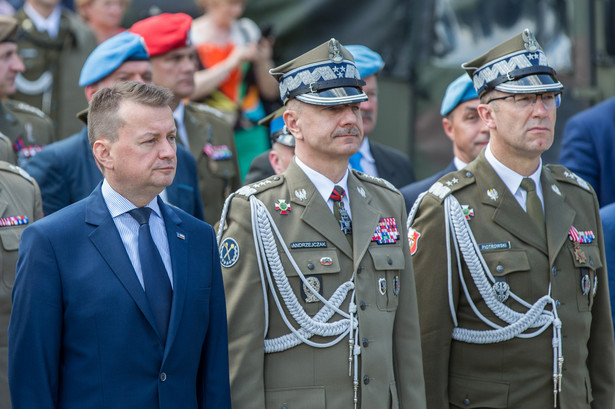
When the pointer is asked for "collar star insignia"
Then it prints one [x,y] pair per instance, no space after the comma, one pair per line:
[493,194]
[282,206]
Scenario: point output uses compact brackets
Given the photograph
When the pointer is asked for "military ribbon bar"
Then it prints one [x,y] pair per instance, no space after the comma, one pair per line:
[13,221]
[386,231]
[576,236]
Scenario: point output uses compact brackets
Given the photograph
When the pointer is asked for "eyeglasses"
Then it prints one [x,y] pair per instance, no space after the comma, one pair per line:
[550,100]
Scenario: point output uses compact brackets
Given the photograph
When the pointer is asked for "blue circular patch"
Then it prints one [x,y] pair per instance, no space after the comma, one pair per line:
[229,252]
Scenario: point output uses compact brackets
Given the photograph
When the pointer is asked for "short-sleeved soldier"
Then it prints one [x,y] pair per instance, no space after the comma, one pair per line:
[201,129]
[319,285]
[509,260]
[27,128]
[20,206]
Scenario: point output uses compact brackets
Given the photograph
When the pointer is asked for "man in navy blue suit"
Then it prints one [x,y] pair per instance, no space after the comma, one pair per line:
[66,171]
[463,127]
[588,148]
[95,323]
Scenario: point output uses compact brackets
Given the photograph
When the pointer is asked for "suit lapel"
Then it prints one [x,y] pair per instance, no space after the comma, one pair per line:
[366,217]
[559,216]
[508,214]
[108,242]
[315,211]
[178,249]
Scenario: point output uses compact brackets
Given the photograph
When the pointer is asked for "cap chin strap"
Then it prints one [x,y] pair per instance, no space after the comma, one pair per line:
[458,233]
[315,87]
[518,74]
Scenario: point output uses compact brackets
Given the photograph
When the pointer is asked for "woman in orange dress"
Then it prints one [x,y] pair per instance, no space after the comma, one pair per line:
[236,60]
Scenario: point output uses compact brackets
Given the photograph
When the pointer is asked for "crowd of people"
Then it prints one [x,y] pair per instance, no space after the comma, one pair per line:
[185,224]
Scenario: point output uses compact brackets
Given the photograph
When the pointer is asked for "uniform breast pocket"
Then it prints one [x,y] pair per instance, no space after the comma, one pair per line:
[388,261]
[510,269]
[321,268]
[8,256]
[586,259]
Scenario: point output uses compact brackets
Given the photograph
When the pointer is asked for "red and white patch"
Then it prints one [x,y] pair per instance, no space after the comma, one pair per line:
[413,240]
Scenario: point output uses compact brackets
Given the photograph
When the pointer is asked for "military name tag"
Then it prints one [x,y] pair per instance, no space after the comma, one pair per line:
[308,244]
[494,246]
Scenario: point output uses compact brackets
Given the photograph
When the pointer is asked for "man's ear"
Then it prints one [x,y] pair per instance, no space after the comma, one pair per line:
[487,114]
[102,154]
[291,119]
[90,90]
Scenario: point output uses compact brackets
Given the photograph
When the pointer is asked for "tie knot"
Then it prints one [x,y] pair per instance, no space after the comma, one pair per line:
[141,214]
[337,194]
[528,185]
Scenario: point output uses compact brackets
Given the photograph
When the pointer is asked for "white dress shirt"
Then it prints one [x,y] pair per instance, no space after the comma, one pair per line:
[50,24]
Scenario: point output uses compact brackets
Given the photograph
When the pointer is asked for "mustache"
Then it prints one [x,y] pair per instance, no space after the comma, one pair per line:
[353,130]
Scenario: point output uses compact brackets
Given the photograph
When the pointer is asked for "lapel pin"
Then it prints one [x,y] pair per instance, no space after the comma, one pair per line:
[282,206]
[468,212]
[181,236]
[556,189]
[300,194]
[493,194]
[361,191]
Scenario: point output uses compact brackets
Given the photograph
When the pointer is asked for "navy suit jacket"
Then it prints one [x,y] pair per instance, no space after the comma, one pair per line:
[588,148]
[412,191]
[66,172]
[391,165]
[607,214]
[82,334]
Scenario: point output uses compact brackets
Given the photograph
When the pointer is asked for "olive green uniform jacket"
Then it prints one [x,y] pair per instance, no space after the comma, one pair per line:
[51,79]
[19,196]
[27,127]
[304,376]
[517,373]
[213,146]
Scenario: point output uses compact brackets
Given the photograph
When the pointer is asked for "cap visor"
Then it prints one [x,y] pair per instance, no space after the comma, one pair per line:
[334,96]
[531,84]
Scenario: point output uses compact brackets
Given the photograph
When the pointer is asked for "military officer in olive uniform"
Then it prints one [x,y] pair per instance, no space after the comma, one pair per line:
[20,206]
[54,43]
[509,259]
[200,128]
[320,292]
[27,128]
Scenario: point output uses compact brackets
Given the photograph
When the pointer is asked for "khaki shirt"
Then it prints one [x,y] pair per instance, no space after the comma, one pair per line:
[304,376]
[517,373]
[19,198]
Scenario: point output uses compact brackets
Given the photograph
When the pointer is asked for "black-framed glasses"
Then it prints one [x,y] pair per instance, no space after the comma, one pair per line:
[550,100]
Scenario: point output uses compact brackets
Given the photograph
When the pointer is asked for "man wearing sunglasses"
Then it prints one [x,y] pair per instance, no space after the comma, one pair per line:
[515,312]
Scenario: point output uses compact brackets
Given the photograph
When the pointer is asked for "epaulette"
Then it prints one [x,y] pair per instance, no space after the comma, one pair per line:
[562,174]
[5,166]
[375,180]
[260,186]
[451,182]
[206,108]
[23,107]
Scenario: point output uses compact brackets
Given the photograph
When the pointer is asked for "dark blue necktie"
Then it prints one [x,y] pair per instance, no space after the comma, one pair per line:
[155,278]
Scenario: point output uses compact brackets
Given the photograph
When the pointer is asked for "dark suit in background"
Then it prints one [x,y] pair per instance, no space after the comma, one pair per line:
[412,191]
[588,148]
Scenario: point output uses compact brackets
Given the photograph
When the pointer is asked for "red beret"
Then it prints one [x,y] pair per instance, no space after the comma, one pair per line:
[164,32]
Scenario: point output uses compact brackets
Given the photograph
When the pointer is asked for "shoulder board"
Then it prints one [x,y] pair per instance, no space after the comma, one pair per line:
[375,180]
[195,106]
[260,186]
[562,174]
[451,182]
[7,167]
[23,107]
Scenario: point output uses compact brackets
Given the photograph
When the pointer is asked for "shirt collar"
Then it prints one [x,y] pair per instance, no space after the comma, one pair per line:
[50,24]
[459,164]
[118,204]
[512,179]
[323,184]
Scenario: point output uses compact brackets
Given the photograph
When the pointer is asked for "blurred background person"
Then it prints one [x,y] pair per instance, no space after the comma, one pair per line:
[53,44]
[103,16]
[276,160]
[237,58]
[200,129]
[464,128]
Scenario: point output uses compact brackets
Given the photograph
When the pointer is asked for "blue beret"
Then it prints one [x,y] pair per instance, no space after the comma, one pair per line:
[368,62]
[110,54]
[460,90]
